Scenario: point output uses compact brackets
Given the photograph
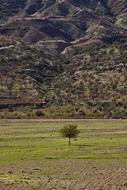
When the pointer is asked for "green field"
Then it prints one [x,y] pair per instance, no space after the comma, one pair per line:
[34,156]
[29,140]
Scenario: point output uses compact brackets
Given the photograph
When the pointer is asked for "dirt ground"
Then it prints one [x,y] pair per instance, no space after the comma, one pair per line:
[64,175]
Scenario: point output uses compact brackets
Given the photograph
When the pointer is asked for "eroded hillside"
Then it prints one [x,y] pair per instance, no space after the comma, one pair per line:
[70,54]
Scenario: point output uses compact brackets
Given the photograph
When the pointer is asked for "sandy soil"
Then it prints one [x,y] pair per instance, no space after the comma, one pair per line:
[65,175]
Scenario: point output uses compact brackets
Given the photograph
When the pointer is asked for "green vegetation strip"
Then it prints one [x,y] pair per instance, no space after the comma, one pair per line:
[39,140]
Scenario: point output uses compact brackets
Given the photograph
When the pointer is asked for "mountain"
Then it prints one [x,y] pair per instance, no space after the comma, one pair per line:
[70,55]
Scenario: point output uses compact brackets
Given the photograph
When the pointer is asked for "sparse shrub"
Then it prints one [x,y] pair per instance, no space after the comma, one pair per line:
[39,113]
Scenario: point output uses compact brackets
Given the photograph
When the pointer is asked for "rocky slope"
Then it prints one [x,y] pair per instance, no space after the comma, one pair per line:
[69,53]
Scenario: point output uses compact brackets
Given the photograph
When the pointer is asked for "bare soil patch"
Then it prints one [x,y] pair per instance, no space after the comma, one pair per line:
[67,174]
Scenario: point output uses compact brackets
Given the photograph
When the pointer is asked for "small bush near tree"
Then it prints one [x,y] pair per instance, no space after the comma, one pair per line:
[70,131]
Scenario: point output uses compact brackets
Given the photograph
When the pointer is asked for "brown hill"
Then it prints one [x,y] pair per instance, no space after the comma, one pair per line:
[70,52]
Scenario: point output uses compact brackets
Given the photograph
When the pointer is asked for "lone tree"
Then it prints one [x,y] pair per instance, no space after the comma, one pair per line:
[70,131]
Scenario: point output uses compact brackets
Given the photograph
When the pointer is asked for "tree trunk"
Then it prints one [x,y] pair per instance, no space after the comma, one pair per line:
[69,141]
